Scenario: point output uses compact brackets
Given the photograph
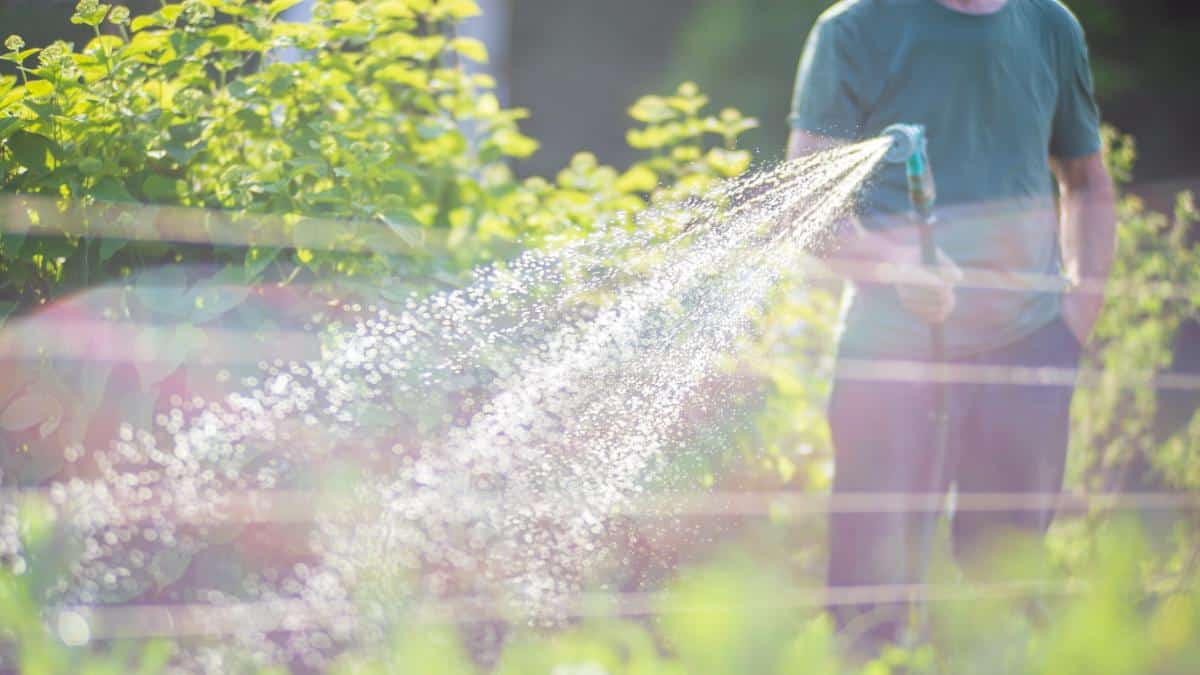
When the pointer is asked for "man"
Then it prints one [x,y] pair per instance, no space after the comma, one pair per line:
[1004,90]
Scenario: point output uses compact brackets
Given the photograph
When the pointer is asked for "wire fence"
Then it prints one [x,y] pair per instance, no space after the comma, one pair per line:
[198,620]
[287,506]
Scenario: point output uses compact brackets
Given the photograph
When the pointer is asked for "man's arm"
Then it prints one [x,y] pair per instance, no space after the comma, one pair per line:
[856,251]
[1087,235]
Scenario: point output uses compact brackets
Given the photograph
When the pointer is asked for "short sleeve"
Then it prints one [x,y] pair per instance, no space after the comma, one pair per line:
[825,99]
[1076,129]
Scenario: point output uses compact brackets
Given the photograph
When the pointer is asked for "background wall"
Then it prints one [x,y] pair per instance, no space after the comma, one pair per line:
[1144,55]
[578,64]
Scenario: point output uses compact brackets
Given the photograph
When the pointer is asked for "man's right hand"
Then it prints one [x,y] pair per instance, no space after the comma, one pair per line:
[924,290]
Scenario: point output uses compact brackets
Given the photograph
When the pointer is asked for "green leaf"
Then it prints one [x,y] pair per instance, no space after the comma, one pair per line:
[280,6]
[257,260]
[652,110]
[147,42]
[32,151]
[218,294]
[110,246]
[40,88]
[689,103]
[394,9]
[455,10]
[111,189]
[9,126]
[171,12]
[231,36]
[19,57]
[12,97]
[161,189]
[156,655]
[145,21]
[728,163]
[637,179]
[183,141]
[400,73]
[99,46]
[93,17]
[471,48]
[12,245]
[514,144]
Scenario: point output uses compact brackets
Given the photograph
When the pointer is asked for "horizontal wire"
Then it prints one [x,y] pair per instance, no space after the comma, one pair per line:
[899,370]
[778,503]
[103,341]
[298,507]
[38,216]
[198,620]
[206,226]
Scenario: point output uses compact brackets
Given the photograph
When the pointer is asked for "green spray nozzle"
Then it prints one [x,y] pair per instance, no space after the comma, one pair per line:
[908,141]
[909,146]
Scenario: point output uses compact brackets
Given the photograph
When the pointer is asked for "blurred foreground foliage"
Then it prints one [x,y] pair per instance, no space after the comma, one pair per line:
[739,616]
[175,159]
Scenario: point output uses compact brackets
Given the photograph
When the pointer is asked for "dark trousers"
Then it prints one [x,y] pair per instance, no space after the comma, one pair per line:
[1004,437]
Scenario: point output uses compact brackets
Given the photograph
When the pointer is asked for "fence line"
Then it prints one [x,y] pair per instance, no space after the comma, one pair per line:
[140,222]
[298,507]
[119,341]
[198,620]
[899,370]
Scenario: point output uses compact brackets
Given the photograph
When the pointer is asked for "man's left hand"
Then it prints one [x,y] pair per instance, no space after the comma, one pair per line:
[1080,310]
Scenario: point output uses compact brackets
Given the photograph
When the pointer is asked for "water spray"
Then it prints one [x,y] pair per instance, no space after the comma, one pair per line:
[909,146]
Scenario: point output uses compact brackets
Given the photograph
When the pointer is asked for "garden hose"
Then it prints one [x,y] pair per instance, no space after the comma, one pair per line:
[909,146]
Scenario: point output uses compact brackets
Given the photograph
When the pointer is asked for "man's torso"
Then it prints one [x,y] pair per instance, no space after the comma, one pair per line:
[985,87]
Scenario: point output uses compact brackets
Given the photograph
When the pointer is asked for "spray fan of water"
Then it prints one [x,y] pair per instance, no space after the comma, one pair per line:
[505,425]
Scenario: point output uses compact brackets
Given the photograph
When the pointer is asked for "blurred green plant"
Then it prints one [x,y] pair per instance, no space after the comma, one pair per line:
[1119,439]
[723,616]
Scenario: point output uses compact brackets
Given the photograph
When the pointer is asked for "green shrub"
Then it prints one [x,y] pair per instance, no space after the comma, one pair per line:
[374,165]
[185,106]
[1121,440]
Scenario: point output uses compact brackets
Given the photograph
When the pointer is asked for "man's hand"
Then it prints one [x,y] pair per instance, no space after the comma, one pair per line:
[1080,310]
[926,291]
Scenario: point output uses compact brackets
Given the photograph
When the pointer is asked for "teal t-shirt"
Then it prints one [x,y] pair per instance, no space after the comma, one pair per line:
[998,94]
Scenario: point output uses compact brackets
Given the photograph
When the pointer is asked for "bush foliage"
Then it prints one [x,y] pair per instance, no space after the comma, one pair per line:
[174,156]
[377,128]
